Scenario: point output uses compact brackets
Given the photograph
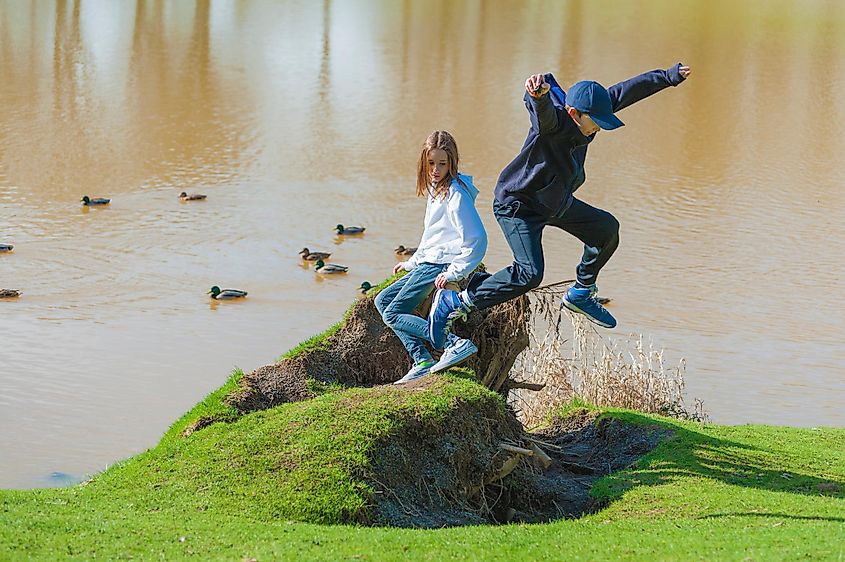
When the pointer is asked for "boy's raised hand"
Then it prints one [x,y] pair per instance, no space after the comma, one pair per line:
[684,71]
[536,85]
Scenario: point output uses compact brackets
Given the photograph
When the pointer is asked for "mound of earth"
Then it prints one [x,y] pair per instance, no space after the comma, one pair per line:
[365,352]
[469,462]
[468,469]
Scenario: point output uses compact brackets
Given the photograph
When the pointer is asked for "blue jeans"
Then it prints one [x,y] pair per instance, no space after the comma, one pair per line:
[397,303]
[523,230]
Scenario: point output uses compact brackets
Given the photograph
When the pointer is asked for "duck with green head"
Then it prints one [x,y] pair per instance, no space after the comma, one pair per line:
[329,268]
[349,229]
[225,294]
[6,248]
[365,286]
[88,202]
[308,255]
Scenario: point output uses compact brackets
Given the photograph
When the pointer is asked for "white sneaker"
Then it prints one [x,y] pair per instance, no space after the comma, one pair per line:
[418,371]
[457,353]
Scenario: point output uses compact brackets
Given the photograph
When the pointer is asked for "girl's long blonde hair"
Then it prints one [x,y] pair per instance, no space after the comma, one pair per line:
[446,142]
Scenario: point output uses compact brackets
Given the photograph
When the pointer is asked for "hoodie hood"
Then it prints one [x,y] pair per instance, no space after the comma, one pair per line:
[453,233]
[467,185]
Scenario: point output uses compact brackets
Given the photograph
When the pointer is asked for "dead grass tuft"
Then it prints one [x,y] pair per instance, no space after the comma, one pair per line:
[584,364]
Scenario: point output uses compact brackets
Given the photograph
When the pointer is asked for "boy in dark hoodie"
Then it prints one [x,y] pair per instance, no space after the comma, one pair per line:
[536,190]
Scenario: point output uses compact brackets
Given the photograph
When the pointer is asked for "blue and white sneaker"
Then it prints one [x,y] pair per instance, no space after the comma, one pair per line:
[456,353]
[418,371]
[446,307]
[584,300]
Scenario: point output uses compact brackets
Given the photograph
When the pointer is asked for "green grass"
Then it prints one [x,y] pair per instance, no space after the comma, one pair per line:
[212,407]
[241,490]
[234,490]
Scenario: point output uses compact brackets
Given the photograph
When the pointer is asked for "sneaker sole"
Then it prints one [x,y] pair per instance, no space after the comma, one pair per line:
[457,360]
[574,308]
[404,380]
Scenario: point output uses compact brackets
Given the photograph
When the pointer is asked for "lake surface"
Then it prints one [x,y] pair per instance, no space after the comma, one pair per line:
[293,116]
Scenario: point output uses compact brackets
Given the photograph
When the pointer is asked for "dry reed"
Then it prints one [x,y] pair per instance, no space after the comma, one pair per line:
[584,364]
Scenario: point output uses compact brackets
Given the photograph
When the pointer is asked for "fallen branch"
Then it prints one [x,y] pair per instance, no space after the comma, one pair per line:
[511,384]
[507,467]
[517,450]
[541,456]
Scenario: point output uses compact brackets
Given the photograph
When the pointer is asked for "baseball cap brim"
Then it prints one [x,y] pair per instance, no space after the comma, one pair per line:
[607,122]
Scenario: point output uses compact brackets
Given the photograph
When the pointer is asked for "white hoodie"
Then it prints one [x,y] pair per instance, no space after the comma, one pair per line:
[453,232]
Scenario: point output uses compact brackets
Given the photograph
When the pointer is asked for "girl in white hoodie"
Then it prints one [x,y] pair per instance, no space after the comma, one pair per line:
[453,244]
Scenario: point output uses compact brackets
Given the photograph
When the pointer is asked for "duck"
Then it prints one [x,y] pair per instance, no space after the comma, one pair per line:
[6,248]
[324,267]
[225,294]
[192,197]
[349,229]
[9,293]
[603,300]
[313,256]
[403,251]
[88,202]
[365,286]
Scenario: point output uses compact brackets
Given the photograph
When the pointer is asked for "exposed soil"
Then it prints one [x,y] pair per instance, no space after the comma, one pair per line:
[365,352]
[448,475]
[584,449]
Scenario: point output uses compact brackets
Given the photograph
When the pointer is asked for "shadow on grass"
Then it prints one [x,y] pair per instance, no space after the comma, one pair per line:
[689,453]
[771,515]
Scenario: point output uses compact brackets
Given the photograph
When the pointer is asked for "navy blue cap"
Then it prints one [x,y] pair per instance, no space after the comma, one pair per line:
[592,98]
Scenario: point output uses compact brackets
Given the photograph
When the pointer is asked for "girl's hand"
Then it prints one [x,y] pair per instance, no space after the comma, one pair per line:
[440,281]
[685,71]
[536,86]
[398,267]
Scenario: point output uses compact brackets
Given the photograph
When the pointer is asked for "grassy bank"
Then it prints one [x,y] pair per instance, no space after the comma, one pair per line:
[235,490]
[274,484]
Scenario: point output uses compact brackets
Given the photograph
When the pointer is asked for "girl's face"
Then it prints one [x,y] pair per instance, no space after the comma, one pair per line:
[438,164]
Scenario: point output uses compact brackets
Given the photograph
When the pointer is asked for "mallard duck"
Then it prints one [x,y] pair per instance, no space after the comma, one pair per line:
[349,229]
[403,251]
[88,202]
[192,197]
[9,293]
[324,267]
[365,286]
[225,294]
[6,248]
[313,256]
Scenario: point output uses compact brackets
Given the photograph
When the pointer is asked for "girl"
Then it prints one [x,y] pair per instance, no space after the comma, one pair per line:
[453,243]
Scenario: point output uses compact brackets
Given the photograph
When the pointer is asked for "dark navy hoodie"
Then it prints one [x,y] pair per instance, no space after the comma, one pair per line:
[550,165]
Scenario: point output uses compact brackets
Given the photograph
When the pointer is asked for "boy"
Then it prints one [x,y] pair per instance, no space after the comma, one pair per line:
[536,190]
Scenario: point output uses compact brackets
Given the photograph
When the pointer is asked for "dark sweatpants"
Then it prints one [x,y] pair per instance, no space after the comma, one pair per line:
[523,229]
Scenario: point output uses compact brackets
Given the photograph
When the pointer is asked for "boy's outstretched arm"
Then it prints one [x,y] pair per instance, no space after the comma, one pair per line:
[541,110]
[640,87]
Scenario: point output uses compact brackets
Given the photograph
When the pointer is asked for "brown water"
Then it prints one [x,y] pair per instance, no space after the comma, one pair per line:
[295,116]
